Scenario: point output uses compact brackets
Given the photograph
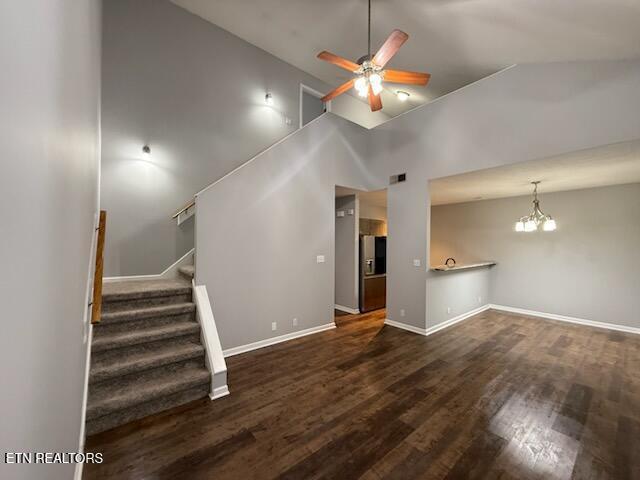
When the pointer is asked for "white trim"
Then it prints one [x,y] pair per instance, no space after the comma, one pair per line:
[186,214]
[563,318]
[458,319]
[315,93]
[219,392]
[352,311]
[214,358]
[229,352]
[441,326]
[88,330]
[170,272]
[405,326]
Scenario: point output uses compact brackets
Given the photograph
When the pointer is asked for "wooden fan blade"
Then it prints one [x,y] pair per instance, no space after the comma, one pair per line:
[390,47]
[409,78]
[338,91]
[375,102]
[339,61]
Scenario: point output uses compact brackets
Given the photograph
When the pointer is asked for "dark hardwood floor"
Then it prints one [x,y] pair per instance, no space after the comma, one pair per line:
[498,396]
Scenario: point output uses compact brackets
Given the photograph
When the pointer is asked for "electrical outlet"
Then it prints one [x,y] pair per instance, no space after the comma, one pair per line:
[274,326]
[295,322]
[448,309]
[402,312]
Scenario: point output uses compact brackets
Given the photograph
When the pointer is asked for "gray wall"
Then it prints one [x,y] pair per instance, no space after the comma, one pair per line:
[312,107]
[259,231]
[49,112]
[523,113]
[346,256]
[450,294]
[283,215]
[195,94]
[588,268]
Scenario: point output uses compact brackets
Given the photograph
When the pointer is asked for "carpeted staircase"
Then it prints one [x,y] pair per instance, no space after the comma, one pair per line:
[146,354]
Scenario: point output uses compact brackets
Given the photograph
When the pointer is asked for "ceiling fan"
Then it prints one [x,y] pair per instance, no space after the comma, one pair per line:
[369,71]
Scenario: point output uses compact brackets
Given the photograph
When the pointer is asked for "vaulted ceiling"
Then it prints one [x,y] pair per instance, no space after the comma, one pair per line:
[457,41]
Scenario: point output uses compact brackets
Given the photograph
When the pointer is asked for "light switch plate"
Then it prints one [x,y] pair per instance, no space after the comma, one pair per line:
[351,211]
[320,259]
[416,262]
[340,213]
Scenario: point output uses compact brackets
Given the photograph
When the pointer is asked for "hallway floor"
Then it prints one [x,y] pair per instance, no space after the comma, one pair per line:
[497,396]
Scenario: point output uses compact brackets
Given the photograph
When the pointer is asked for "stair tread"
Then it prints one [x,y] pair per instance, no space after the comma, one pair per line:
[111,397]
[148,312]
[188,270]
[144,357]
[150,334]
[138,289]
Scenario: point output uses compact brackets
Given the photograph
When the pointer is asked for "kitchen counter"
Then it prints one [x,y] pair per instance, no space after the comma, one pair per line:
[462,266]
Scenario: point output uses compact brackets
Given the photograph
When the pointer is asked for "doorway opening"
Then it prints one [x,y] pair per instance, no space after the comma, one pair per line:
[360,250]
[311,105]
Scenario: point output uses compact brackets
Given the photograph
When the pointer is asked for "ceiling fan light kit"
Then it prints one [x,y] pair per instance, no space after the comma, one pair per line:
[369,71]
[402,96]
[531,222]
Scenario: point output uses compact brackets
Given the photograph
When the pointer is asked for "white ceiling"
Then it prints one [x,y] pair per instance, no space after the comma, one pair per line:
[610,165]
[457,41]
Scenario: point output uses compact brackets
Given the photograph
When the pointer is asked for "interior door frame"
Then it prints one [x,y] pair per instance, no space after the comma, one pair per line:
[311,91]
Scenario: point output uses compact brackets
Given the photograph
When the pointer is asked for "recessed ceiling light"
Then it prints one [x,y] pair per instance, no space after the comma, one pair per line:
[268,98]
[402,96]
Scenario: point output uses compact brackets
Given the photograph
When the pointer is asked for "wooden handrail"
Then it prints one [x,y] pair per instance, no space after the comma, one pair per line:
[96,305]
[185,208]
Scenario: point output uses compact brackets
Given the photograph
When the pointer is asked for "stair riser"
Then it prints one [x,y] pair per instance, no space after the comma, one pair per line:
[143,367]
[140,375]
[115,404]
[195,337]
[107,422]
[120,305]
[142,324]
[132,315]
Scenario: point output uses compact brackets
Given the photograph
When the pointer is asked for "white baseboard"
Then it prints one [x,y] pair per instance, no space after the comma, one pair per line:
[564,318]
[405,326]
[219,392]
[342,308]
[272,341]
[170,272]
[440,326]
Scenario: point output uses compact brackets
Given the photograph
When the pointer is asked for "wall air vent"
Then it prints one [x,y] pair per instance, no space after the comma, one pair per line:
[401,177]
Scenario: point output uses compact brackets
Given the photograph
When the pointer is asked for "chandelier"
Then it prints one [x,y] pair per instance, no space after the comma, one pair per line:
[537,217]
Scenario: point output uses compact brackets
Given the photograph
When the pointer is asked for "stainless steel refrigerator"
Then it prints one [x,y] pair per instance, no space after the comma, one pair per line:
[373,272]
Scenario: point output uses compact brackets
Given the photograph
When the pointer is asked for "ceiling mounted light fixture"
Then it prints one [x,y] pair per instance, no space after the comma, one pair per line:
[369,70]
[268,99]
[402,96]
[537,217]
